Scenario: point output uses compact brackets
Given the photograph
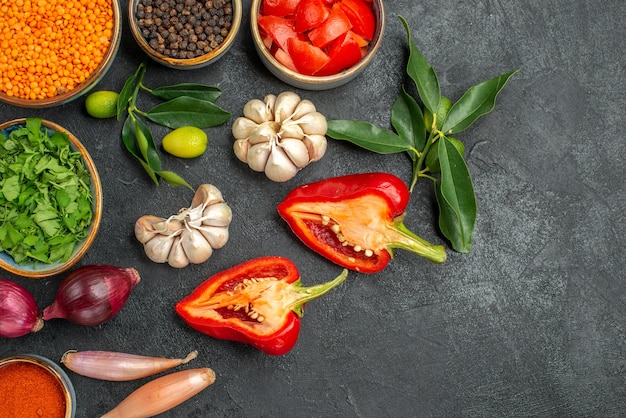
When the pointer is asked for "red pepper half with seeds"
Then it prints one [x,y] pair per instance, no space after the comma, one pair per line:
[259,302]
[355,221]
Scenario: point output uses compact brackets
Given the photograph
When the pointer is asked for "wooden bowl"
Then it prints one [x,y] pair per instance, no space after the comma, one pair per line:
[83,87]
[185,63]
[312,82]
[40,270]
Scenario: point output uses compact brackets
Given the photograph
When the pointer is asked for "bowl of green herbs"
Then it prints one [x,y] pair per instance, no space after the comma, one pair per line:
[50,198]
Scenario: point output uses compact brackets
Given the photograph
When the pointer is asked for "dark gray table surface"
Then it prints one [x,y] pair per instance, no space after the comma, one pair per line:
[530,323]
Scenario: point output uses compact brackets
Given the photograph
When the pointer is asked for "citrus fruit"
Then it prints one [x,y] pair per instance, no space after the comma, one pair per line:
[432,158]
[185,142]
[442,112]
[102,104]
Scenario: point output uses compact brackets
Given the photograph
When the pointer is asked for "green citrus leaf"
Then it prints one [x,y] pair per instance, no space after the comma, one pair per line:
[173,179]
[456,198]
[127,91]
[368,136]
[188,111]
[198,91]
[422,74]
[478,100]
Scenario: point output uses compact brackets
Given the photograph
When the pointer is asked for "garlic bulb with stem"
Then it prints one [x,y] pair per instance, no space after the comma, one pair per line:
[280,135]
[191,235]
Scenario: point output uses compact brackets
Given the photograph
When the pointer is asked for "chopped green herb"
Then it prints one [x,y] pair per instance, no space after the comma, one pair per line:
[45,194]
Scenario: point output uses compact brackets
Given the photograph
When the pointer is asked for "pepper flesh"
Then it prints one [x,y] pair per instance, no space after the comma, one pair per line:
[259,302]
[355,221]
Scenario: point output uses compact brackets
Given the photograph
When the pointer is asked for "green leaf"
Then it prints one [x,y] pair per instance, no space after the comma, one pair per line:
[408,120]
[127,91]
[198,91]
[368,136]
[129,138]
[478,100]
[138,139]
[456,198]
[188,111]
[11,188]
[173,179]
[422,74]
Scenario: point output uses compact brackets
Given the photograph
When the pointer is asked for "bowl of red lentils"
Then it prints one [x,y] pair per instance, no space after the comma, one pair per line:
[52,52]
[185,34]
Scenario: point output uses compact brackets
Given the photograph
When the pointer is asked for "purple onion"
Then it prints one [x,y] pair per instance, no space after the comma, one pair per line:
[19,314]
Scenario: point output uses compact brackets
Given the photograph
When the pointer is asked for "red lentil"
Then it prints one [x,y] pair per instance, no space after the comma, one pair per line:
[49,47]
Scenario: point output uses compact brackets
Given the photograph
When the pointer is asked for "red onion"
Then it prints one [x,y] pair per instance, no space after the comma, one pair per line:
[92,294]
[19,314]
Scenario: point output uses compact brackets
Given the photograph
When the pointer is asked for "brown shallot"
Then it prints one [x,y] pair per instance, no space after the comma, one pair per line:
[113,366]
[163,394]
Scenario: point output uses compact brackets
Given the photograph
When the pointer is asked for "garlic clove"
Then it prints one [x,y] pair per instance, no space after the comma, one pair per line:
[305,106]
[216,236]
[197,248]
[258,155]
[291,130]
[264,132]
[257,111]
[296,150]
[144,228]
[242,127]
[206,194]
[270,102]
[316,144]
[158,248]
[286,103]
[241,147]
[313,123]
[218,214]
[177,257]
[279,166]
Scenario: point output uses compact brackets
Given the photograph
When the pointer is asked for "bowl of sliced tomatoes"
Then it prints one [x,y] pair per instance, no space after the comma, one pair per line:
[317,44]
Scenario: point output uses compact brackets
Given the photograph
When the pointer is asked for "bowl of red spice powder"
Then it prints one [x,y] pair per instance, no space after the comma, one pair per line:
[34,386]
[54,52]
[185,34]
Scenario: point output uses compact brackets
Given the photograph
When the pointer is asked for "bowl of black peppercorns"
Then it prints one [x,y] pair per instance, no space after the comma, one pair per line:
[185,34]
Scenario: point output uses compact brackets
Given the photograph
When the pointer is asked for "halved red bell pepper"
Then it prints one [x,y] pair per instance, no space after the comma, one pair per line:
[355,221]
[258,302]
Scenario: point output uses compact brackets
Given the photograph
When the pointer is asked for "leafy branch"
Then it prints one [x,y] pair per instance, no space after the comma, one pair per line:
[185,104]
[426,135]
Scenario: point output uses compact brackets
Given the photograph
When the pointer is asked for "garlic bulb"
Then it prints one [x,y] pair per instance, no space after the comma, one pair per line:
[191,235]
[279,135]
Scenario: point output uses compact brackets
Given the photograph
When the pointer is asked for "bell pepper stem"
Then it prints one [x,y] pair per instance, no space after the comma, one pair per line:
[408,240]
[307,294]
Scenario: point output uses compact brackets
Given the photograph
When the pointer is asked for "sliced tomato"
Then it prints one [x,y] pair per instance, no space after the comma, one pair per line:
[333,27]
[360,40]
[344,53]
[307,58]
[310,13]
[361,17]
[285,59]
[280,29]
[279,8]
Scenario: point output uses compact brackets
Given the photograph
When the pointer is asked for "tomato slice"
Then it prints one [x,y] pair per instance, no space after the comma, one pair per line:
[307,58]
[333,27]
[361,17]
[279,8]
[284,58]
[344,53]
[280,29]
[310,13]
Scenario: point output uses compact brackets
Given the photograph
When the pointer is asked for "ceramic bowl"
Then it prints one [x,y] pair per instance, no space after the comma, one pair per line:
[185,63]
[84,86]
[54,370]
[309,82]
[40,270]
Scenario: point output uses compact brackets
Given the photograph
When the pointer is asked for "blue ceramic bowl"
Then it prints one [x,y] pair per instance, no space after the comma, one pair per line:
[40,270]
[55,370]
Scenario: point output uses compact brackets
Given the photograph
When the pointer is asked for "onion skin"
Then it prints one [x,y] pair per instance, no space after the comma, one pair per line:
[19,314]
[118,367]
[163,394]
[93,294]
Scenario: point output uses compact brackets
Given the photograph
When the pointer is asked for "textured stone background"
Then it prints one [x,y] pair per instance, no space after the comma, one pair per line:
[531,323]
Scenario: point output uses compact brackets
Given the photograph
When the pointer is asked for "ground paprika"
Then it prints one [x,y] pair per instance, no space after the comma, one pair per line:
[29,390]
[355,220]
